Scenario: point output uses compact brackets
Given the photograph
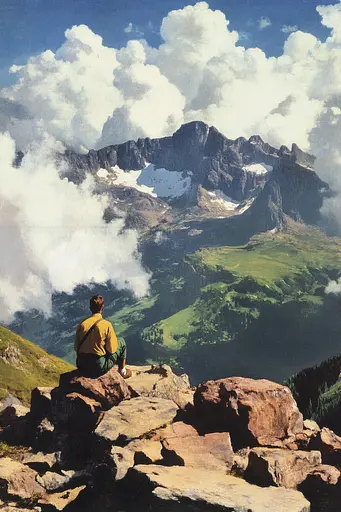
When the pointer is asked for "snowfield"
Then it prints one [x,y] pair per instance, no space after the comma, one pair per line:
[155,182]
[217,196]
[258,168]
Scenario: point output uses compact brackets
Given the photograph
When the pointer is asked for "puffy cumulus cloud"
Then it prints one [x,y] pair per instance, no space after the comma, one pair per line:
[53,236]
[151,101]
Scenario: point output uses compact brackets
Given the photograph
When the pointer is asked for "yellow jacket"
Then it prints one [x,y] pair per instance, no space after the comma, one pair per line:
[101,339]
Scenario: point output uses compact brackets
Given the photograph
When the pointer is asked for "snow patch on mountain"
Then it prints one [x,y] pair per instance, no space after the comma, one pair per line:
[150,180]
[261,168]
[217,196]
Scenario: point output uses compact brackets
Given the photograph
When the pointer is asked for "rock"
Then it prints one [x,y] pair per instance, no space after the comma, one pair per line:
[108,390]
[324,474]
[52,481]
[44,435]
[329,444]
[18,481]
[40,461]
[283,468]
[255,412]
[11,414]
[212,452]
[187,489]
[122,460]
[75,412]
[60,500]
[161,382]
[41,403]
[240,462]
[146,451]
[311,425]
[177,429]
[136,417]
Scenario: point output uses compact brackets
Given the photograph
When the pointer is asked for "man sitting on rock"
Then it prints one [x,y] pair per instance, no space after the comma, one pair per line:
[97,346]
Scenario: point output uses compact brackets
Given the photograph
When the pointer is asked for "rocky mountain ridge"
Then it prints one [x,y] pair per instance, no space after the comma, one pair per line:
[154,443]
[234,173]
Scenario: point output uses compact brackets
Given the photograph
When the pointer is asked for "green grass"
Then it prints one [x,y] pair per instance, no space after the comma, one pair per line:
[271,258]
[178,325]
[29,367]
[133,314]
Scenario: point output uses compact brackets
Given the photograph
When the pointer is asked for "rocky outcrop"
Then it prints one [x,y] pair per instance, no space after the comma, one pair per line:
[153,449]
[255,412]
[186,489]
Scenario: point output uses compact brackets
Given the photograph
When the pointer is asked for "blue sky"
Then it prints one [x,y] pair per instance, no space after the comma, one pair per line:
[28,27]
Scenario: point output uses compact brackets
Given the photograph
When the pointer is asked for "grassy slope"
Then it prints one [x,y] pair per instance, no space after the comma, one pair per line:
[27,366]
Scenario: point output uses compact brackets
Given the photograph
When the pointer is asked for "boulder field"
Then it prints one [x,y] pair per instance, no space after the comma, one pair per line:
[154,443]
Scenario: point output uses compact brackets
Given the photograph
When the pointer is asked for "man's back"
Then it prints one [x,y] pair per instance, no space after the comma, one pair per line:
[100,340]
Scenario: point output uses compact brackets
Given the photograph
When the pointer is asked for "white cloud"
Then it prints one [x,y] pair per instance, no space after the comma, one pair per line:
[53,236]
[129,28]
[264,22]
[287,29]
[133,30]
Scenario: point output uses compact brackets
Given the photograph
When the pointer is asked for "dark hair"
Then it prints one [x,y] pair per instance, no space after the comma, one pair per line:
[96,303]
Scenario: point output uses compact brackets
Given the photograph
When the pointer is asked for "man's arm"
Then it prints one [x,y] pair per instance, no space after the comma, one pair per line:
[111,341]
[76,343]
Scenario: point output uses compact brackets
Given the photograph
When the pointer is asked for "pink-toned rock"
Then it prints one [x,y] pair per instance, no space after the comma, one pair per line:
[255,412]
[282,468]
[108,390]
[212,452]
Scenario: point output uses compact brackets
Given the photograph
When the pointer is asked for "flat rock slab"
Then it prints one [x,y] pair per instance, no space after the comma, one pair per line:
[146,451]
[255,412]
[212,452]
[195,489]
[161,382]
[40,461]
[134,418]
[60,500]
[18,481]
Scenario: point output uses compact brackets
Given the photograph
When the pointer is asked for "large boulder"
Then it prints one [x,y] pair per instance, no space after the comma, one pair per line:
[75,412]
[212,452]
[161,382]
[108,390]
[188,489]
[283,468]
[18,481]
[255,412]
[134,418]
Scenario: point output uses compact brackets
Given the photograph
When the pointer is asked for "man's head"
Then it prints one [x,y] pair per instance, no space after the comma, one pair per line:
[96,304]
